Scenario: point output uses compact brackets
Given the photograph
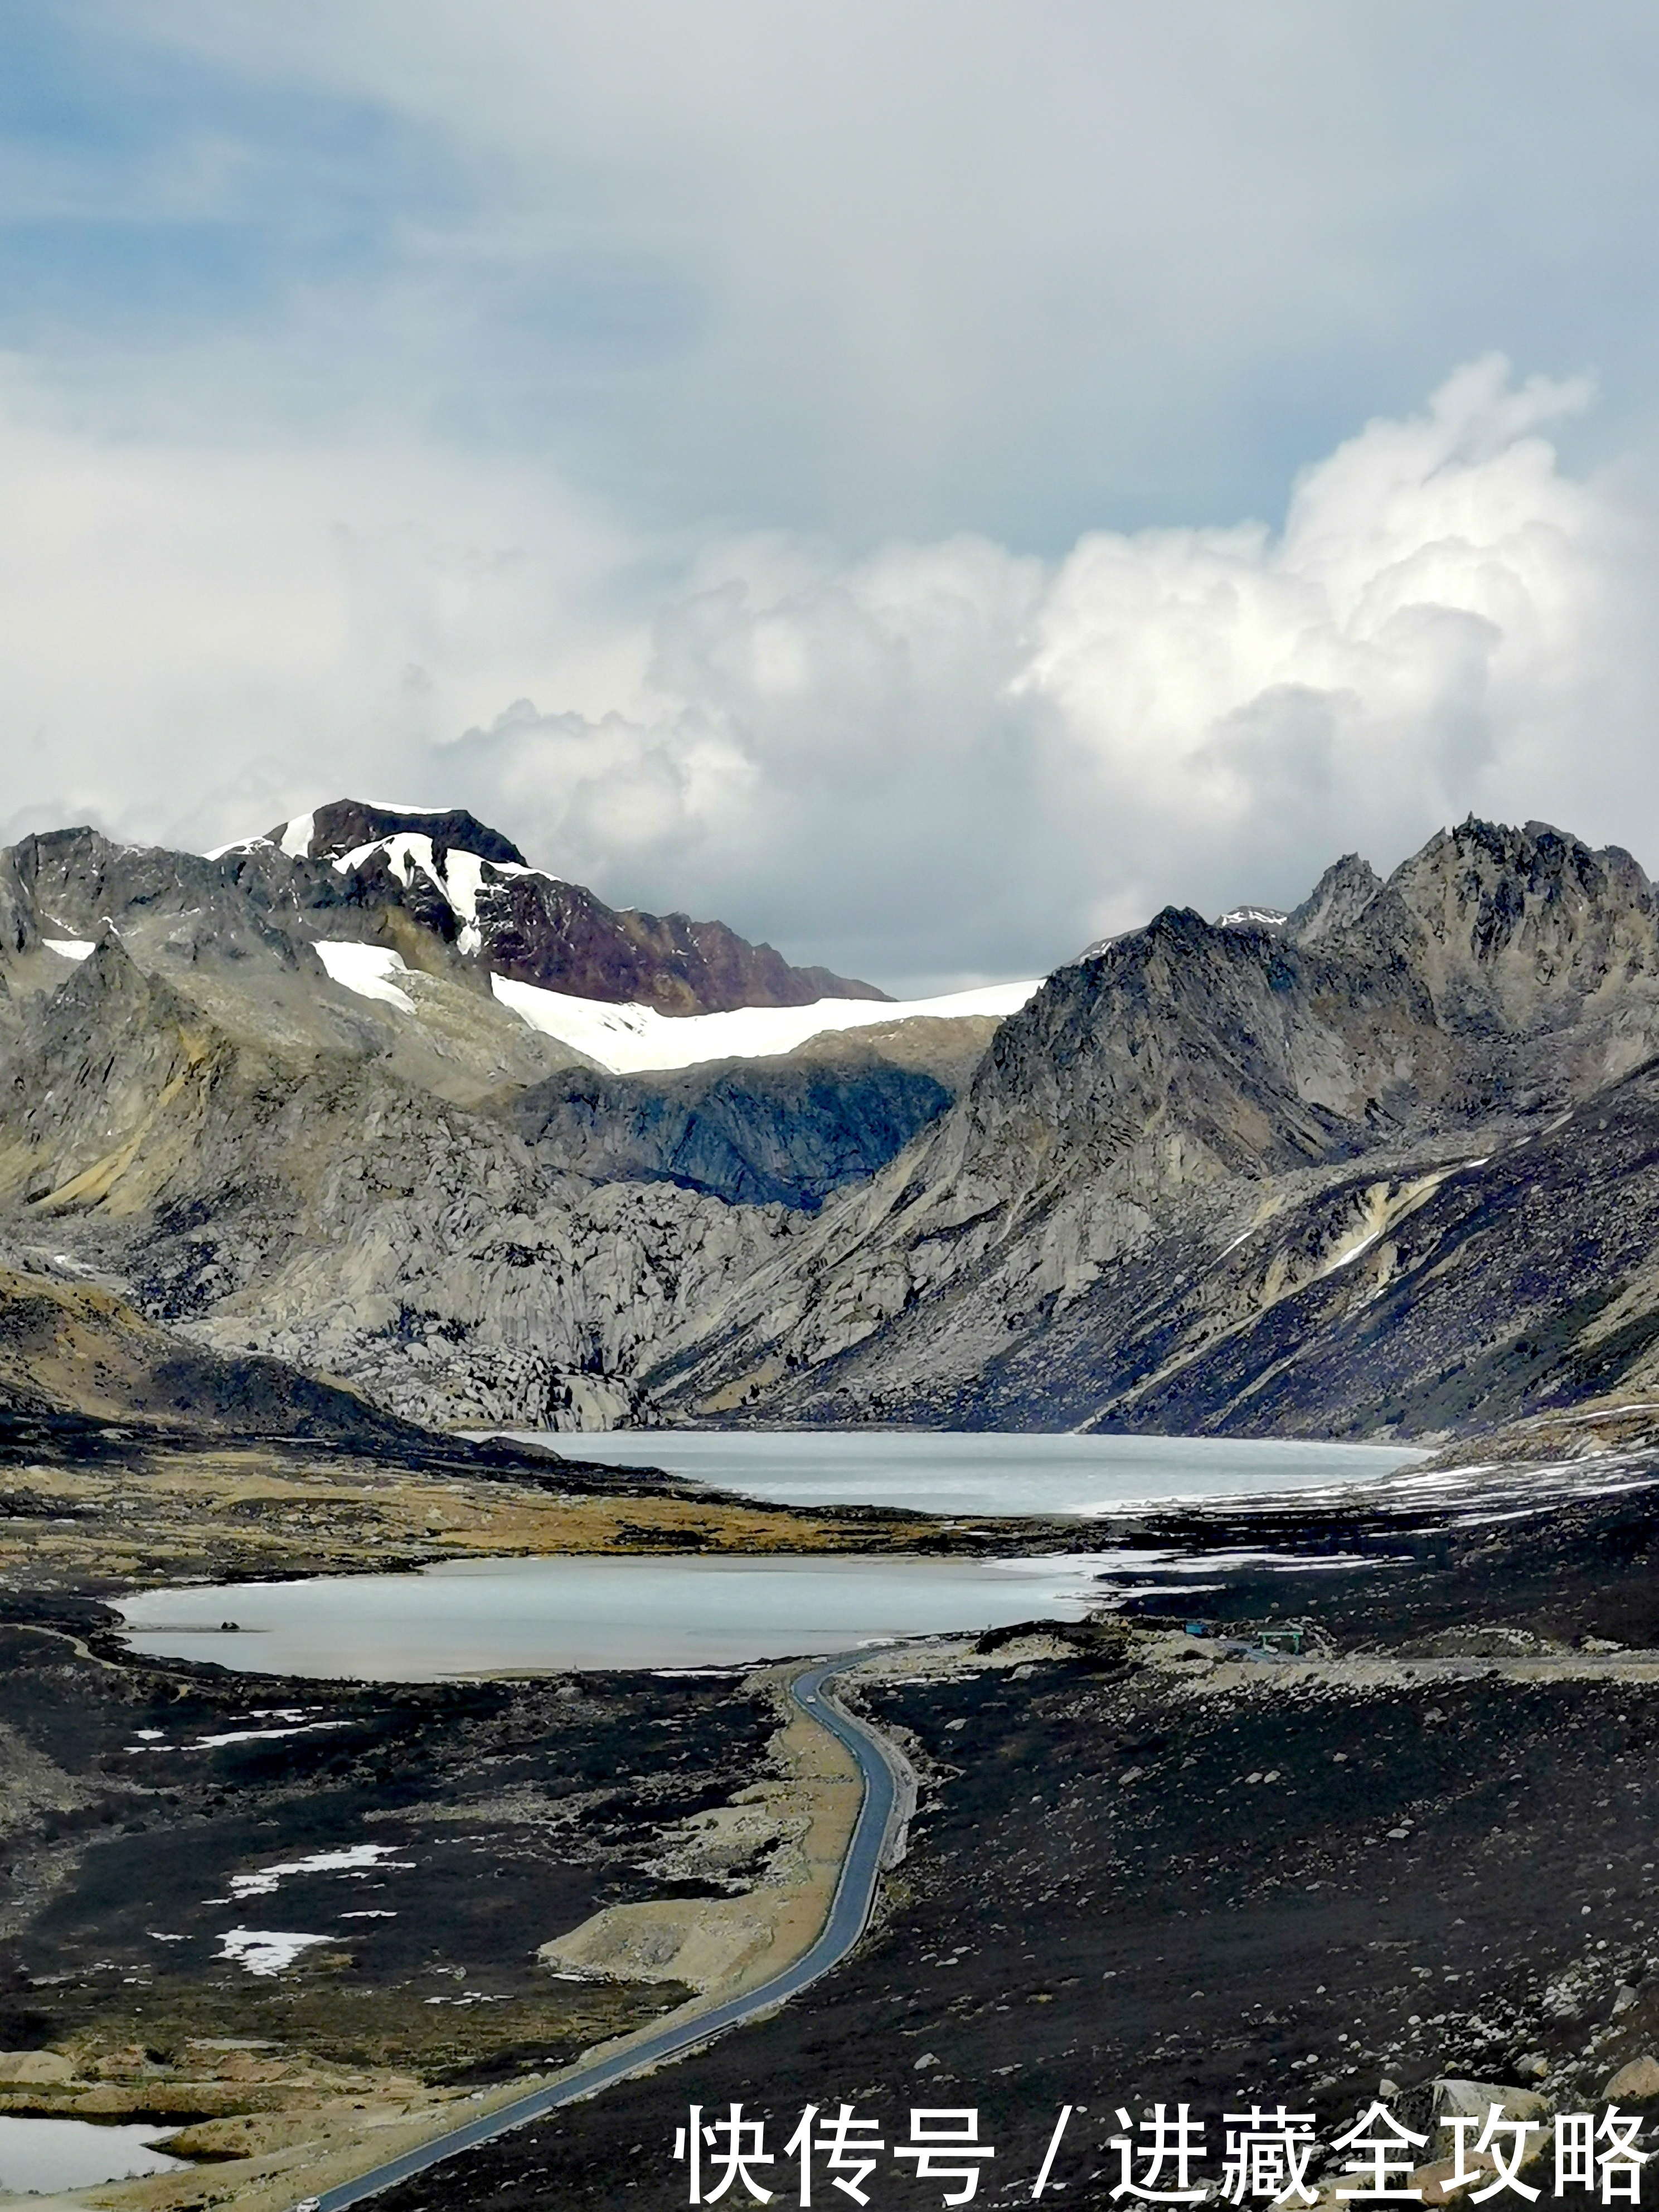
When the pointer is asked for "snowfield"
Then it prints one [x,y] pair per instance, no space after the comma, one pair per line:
[629,1039]
[368,970]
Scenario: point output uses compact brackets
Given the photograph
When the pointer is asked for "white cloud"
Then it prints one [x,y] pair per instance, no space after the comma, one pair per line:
[196,628]
[945,757]
[938,763]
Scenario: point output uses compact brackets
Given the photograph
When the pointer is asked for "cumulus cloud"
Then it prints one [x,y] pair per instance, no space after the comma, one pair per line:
[196,633]
[934,762]
[946,759]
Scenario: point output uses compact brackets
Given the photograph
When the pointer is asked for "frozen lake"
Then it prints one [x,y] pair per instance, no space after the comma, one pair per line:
[506,1616]
[953,1472]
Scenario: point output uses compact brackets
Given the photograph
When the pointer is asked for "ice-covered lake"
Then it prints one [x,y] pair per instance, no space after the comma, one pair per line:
[949,1471]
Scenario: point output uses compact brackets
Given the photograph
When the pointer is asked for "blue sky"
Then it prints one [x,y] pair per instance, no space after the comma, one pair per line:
[574,410]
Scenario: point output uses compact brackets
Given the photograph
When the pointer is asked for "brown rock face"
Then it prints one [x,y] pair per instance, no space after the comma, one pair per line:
[536,928]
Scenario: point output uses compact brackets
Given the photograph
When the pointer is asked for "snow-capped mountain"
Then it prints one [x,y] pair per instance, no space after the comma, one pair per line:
[471,888]
[1388,1162]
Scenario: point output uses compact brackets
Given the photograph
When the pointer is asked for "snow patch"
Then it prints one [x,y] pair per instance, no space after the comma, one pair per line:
[463,881]
[368,970]
[263,1735]
[71,948]
[265,1951]
[297,835]
[458,877]
[627,1039]
[357,1858]
[235,1735]
[1252,917]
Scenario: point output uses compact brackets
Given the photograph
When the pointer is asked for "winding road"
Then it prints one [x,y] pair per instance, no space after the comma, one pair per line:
[849,1911]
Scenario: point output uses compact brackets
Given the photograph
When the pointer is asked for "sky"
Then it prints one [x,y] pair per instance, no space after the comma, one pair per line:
[929,485]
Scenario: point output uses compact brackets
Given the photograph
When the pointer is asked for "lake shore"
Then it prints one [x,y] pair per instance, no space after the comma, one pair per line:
[1140,1866]
[222,1514]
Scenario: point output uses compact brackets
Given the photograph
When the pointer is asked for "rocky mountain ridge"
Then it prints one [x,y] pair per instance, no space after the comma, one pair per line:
[1382,1165]
[469,887]
[384,1173]
[1285,1177]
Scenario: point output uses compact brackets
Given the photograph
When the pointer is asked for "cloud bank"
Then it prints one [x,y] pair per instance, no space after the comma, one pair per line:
[685,435]
[932,764]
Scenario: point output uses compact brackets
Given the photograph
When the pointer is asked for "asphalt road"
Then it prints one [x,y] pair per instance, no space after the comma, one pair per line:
[856,1892]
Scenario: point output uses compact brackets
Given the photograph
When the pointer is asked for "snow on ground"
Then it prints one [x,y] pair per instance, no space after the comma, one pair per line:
[628,1039]
[265,1950]
[261,1736]
[72,948]
[368,970]
[356,1859]
[233,1735]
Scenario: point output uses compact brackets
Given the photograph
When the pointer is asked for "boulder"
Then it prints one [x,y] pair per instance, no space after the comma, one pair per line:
[1455,2098]
[1639,2080]
[35,2070]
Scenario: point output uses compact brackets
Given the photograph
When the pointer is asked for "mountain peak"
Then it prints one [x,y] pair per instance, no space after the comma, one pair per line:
[345,825]
[1336,900]
[470,887]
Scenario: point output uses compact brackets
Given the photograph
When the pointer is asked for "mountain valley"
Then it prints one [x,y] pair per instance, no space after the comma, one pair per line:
[1383,1166]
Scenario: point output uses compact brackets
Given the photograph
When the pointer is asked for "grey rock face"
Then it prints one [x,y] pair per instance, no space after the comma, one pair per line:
[1127,1217]
[783,1132]
[1336,902]
[327,1211]
[1391,1168]
[273,1162]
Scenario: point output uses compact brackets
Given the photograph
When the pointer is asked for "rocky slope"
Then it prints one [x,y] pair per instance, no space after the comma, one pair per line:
[1386,1166]
[374,1167]
[793,1129]
[324,1207]
[78,1349]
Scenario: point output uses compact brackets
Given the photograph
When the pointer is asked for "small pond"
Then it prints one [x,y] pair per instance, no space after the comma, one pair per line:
[43,2156]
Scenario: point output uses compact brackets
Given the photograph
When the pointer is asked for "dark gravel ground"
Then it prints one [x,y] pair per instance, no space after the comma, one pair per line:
[501,1812]
[1120,1891]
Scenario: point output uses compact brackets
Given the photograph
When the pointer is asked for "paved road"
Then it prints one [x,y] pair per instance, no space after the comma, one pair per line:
[854,1894]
